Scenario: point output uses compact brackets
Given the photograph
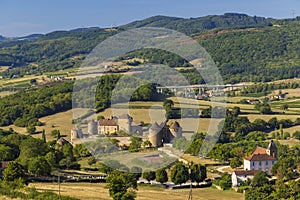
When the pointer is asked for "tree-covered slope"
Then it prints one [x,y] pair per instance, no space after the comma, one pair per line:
[196,25]
[51,52]
[257,54]
[245,48]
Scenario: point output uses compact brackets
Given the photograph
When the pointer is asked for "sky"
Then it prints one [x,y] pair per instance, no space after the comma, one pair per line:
[24,17]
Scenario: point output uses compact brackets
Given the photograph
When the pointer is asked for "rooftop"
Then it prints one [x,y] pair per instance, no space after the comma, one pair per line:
[260,150]
[260,157]
[175,125]
[245,172]
[107,122]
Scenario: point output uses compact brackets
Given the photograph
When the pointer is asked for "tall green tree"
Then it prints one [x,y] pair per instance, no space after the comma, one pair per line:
[44,135]
[180,173]
[161,176]
[119,185]
[30,148]
[13,171]
[259,179]
[136,171]
[149,175]
[198,173]
[235,162]
[39,166]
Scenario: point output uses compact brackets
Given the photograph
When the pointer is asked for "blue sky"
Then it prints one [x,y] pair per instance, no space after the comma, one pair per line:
[23,17]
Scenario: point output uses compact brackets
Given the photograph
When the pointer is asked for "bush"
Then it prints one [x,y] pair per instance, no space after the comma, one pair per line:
[241,189]
[286,135]
[296,135]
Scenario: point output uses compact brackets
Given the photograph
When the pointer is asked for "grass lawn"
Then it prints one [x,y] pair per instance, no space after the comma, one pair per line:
[92,191]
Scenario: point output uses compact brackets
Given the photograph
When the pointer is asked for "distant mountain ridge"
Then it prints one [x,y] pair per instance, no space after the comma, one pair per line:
[240,45]
[199,24]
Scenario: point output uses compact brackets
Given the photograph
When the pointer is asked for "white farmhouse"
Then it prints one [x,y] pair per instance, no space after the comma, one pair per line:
[261,159]
[242,175]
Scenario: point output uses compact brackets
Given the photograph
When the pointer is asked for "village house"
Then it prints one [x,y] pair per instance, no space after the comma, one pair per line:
[107,126]
[261,159]
[242,175]
[277,97]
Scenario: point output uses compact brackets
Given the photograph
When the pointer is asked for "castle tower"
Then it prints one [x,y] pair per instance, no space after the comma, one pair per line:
[74,135]
[125,122]
[155,136]
[272,149]
[176,130]
[93,127]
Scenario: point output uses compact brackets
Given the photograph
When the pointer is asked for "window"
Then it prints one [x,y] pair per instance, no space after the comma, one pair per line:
[273,162]
[253,164]
[266,162]
[259,163]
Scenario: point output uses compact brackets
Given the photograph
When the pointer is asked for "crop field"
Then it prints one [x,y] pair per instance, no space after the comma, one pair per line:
[94,191]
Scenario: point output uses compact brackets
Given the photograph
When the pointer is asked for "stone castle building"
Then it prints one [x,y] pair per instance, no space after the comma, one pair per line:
[160,134]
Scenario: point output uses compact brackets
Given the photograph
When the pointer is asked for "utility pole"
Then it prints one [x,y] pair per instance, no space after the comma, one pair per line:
[191,192]
[59,186]
[191,187]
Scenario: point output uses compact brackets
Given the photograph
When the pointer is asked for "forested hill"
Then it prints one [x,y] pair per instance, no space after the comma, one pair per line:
[244,47]
[200,24]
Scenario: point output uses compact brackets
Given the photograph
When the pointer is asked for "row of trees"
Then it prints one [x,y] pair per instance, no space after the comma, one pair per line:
[121,185]
[268,87]
[179,173]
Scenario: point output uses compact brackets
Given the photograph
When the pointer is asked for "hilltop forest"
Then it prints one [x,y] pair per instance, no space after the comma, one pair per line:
[244,48]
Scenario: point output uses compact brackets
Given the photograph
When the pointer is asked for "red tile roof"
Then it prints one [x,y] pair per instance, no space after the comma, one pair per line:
[260,157]
[107,122]
[260,150]
[245,172]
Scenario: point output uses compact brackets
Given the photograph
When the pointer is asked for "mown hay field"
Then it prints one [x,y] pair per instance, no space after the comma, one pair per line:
[94,191]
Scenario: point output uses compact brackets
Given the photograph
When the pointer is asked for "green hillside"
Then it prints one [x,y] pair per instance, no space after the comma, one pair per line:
[245,48]
[200,24]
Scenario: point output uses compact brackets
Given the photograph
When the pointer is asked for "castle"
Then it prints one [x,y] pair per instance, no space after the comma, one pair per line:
[158,134]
